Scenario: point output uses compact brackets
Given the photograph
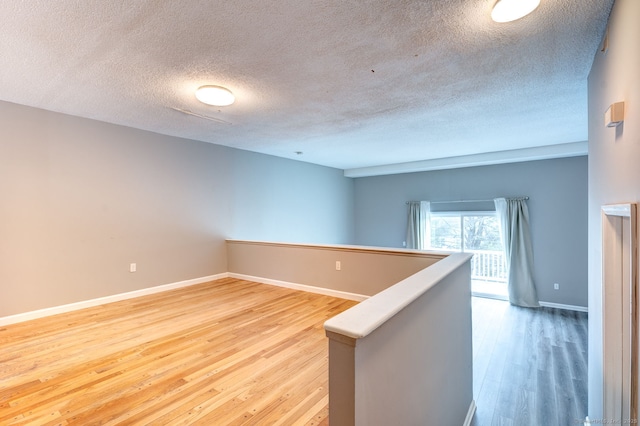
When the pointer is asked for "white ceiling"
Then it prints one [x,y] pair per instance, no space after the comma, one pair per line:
[351,84]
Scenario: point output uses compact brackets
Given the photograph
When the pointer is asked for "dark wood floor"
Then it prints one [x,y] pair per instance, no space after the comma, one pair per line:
[530,365]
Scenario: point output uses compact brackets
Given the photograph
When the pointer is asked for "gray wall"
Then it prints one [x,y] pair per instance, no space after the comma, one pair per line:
[614,160]
[557,207]
[82,199]
[363,271]
[275,199]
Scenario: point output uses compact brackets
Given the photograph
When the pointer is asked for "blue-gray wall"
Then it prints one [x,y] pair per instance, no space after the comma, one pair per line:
[82,199]
[557,206]
[275,199]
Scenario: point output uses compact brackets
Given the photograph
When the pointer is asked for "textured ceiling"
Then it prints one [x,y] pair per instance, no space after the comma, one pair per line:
[350,83]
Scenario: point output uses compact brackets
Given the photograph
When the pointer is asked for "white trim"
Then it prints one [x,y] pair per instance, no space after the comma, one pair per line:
[619,304]
[545,304]
[493,296]
[470,413]
[566,307]
[41,313]
[572,149]
[623,210]
[363,319]
[453,213]
[301,287]
[435,254]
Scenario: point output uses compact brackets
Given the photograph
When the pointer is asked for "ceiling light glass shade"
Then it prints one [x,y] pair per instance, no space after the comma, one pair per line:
[215,95]
[510,10]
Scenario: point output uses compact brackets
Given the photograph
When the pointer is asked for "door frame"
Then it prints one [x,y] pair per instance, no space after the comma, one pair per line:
[620,311]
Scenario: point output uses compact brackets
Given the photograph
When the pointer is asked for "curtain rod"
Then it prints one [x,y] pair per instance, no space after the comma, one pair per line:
[470,201]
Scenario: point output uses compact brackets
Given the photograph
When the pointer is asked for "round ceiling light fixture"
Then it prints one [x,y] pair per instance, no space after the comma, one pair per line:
[510,10]
[215,95]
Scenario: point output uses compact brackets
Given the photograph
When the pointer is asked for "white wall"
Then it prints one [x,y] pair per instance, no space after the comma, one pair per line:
[557,206]
[81,199]
[404,356]
[614,159]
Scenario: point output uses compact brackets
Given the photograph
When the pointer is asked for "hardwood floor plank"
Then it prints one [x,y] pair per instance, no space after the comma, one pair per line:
[225,352]
[246,353]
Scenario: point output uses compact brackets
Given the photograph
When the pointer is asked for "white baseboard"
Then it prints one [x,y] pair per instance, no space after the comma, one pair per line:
[489,296]
[41,313]
[545,304]
[26,316]
[302,287]
[567,307]
[470,413]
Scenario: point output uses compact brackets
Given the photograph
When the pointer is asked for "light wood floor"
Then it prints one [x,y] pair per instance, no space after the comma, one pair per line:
[529,365]
[228,352]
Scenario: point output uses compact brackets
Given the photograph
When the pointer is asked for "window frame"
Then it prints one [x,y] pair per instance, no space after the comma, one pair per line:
[461,214]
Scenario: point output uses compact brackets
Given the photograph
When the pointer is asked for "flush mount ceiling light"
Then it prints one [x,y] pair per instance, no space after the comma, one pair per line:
[510,10]
[215,95]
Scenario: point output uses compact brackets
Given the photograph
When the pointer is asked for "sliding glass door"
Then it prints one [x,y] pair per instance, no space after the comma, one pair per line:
[477,233]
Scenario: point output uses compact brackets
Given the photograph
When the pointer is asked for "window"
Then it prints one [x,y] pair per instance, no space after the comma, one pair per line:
[477,233]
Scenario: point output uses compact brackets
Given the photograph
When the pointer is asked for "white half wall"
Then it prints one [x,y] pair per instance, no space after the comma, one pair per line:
[404,356]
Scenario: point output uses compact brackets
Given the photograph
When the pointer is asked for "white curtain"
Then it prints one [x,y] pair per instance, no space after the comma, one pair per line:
[516,239]
[418,229]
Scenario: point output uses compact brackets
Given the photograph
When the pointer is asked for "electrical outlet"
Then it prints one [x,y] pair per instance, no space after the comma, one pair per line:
[338,265]
[556,286]
[133,267]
